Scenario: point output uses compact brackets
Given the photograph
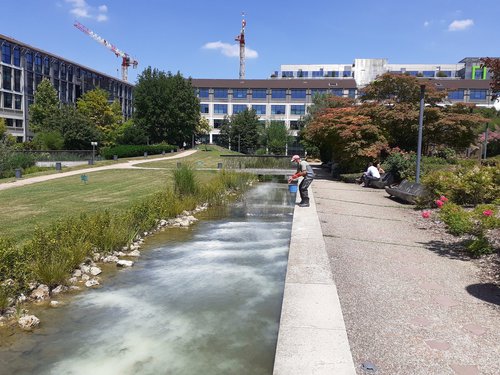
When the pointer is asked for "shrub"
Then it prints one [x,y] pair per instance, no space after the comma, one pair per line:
[4,298]
[457,219]
[124,151]
[184,181]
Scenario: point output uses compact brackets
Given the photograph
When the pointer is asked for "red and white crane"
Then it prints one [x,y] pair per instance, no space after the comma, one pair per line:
[241,38]
[126,59]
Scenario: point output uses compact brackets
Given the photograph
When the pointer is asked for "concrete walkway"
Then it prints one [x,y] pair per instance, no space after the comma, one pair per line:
[126,165]
[410,307]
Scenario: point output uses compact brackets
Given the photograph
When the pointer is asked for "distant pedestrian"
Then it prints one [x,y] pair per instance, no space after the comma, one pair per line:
[303,170]
[371,174]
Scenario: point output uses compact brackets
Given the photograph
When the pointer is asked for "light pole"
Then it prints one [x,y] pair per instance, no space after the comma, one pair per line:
[485,147]
[420,127]
[93,151]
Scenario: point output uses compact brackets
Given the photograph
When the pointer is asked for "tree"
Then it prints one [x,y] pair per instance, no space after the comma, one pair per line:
[275,137]
[203,127]
[130,134]
[75,128]
[45,105]
[166,107]
[106,117]
[241,131]
[493,65]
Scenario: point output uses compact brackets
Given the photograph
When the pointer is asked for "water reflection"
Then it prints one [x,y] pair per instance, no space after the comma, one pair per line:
[208,303]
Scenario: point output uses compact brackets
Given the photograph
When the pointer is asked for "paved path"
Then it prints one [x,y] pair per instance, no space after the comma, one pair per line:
[126,165]
[406,303]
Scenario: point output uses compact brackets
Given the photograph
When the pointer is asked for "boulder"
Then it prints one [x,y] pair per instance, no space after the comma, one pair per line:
[74,287]
[40,293]
[85,277]
[124,263]
[54,303]
[28,322]
[135,253]
[59,289]
[94,271]
[22,298]
[110,259]
[96,257]
[85,268]
[73,280]
[92,282]
[77,273]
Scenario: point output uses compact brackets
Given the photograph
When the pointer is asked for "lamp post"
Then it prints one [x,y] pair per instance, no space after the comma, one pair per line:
[485,146]
[93,151]
[420,127]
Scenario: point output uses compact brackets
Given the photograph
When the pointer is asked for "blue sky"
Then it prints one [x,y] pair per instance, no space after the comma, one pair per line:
[175,35]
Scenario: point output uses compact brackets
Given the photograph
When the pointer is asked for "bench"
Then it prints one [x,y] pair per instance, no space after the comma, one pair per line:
[407,191]
[387,179]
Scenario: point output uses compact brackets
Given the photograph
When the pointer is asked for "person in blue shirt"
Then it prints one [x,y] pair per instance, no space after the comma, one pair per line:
[303,170]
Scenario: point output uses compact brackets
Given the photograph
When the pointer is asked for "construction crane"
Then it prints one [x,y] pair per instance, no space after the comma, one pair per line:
[126,59]
[241,38]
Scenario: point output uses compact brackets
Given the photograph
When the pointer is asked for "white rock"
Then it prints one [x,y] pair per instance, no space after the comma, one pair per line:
[85,277]
[3,320]
[163,223]
[185,213]
[22,298]
[59,289]
[73,280]
[191,218]
[54,303]
[124,263]
[135,253]
[40,293]
[74,287]
[96,257]
[85,268]
[91,283]
[119,253]
[77,273]
[145,234]
[110,259]
[28,322]
[94,271]
[32,286]
[8,282]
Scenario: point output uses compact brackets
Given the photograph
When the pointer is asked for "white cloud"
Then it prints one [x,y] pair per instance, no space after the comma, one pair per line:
[231,50]
[81,9]
[426,23]
[459,25]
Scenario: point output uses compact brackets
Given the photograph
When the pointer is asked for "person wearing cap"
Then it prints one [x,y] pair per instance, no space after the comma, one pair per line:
[303,170]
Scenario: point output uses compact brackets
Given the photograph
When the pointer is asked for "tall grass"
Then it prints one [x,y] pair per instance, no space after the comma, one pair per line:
[52,253]
[185,181]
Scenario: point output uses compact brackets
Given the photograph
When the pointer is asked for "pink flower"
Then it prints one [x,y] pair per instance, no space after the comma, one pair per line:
[439,203]
[426,214]
[443,199]
[487,213]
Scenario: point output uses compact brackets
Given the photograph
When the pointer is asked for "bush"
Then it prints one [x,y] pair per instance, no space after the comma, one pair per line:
[457,219]
[49,140]
[184,181]
[124,151]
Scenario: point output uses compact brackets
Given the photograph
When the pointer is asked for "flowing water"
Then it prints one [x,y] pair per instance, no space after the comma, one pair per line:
[204,300]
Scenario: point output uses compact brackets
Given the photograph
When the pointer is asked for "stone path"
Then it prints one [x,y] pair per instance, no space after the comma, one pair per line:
[406,307]
[126,165]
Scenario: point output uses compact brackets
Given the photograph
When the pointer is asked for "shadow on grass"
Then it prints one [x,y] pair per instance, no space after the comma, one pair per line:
[488,292]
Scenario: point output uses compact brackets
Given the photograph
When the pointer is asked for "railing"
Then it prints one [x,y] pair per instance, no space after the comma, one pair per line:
[256,161]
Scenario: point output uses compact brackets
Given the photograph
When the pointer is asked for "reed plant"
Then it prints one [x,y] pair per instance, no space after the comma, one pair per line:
[185,181]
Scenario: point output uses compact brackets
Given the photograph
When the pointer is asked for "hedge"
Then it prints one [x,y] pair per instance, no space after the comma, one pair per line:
[125,151]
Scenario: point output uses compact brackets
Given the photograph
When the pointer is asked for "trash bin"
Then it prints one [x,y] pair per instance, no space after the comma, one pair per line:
[219,165]
[58,166]
[91,162]
[19,173]
[145,154]
[115,157]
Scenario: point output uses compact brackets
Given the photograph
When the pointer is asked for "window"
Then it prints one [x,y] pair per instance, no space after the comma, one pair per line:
[19,124]
[17,56]
[277,109]
[258,93]
[6,53]
[294,125]
[7,100]
[218,123]
[63,71]
[220,93]
[38,64]
[29,83]
[7,78]
[29,61]
[238,108]
[338,92]
[477,94]
[239,93]
[346,73]
[332,73]
[17,80]
[478,73]
[302,74]
[204,108]
[38,80]
[55,68]
[278,94]
[352,93]
[456,95]
[70,92]
[64,88]
[298,94]
[315,92]
[297,109]
[46,66]
[428,73]
[287,74]
[17,101]
[70,73]
[220,109]
[259,109]
[203,93]
[317,73]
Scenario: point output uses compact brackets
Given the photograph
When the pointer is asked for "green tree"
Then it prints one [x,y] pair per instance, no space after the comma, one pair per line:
[75,128]
[276,137]
[166,107]
[45,105]
[241,131]
[49,140]
[104,116]
[130,134]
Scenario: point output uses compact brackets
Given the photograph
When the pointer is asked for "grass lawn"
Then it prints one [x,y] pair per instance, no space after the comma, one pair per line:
[22,208]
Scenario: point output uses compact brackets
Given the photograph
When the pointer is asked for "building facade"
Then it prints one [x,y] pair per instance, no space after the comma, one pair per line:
[22,68]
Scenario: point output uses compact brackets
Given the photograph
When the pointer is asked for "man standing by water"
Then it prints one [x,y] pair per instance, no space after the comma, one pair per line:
[303,170]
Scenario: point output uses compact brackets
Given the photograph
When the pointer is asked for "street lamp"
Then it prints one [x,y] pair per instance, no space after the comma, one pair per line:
[93,151]
[420,127]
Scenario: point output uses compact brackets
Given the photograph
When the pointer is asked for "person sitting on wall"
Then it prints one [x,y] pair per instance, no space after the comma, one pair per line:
[380,169]
[303,170]
[371,174]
